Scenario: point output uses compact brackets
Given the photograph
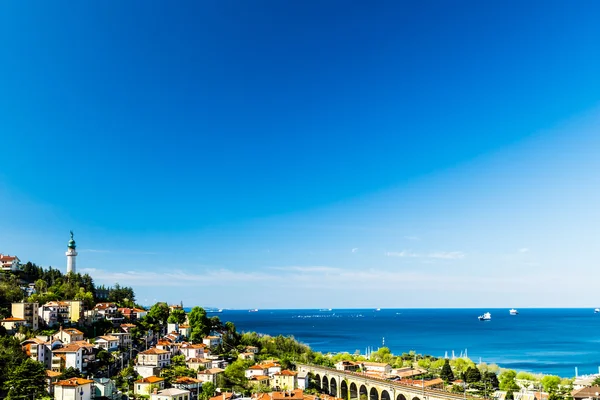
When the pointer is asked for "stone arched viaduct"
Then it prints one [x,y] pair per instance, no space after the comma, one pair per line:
[357,386]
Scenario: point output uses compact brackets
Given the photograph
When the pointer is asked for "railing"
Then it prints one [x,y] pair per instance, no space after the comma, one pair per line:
[416,390]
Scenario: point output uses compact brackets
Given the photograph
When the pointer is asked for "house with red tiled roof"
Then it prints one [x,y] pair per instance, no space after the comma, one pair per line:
[196,363]
[67,356]
[256,380]
[74,388]
[297,394]
[223,396]
[12,324]
[40,349]
[190,350]
[256,370]
[151,361]
[146,385]
[212,341]
[246,356]
[68,335]
[285,380]
[9,263]
[107,342]
[187,383]
[210,375]
[109,311]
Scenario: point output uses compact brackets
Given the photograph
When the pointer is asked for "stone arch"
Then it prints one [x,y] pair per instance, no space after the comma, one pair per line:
[344,389]
[363,394]
[373,394]
[416,398]
[385,395]
[318,381]
[400,397]
[333,387]
[325,384]
[354,391]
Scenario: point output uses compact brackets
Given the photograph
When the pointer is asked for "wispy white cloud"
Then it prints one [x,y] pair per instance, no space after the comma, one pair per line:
[354,250]
[412,238]
[307,269]
[403,253]
[523,250]
[447,255]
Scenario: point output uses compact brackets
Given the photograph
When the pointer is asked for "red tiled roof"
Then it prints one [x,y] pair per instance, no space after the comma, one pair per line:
[73,382]
[286,372]
[186,380]
[150,379]
[154,350]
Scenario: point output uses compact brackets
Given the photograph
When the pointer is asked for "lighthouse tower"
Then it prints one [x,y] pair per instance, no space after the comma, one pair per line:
[71,256]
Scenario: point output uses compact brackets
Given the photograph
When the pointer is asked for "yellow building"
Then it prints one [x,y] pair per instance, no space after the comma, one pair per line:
[285,380]
[146,385]
[28,312]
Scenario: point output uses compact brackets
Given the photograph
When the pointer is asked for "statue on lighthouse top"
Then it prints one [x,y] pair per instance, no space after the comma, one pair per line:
[71,255]
[71,242]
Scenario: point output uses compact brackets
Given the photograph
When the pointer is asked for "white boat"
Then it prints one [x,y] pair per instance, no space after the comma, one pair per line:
[325,309]
[485,317]
[513,311]
[253,310]
[597,310]
[378,309]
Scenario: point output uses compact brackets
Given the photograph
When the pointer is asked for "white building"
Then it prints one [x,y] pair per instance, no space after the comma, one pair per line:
[171,394]
[377,367]
[193,350]
[71,256]
[69,356]
[209,375]
[9,263]
[212,341]
[73,389]
[107,342]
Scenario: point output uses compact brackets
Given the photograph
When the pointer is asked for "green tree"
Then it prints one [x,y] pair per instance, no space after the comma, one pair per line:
[199,324]
[27,380]
[208,390]
[70,373]
[492,379]
[472,375]
[177,316]
[235,373]
[507,380]
[159,312]
[550,383]
[178,360]
[173,372]
[447,375]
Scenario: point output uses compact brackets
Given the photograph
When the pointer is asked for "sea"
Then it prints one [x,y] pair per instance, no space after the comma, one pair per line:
[548,341]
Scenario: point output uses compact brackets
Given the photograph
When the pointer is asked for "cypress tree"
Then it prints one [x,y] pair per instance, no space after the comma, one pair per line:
[447,375]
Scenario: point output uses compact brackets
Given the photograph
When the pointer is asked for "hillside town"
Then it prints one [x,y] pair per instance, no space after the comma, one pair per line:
[85,349]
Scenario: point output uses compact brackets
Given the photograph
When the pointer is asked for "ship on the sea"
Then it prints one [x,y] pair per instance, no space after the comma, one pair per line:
[597,310]
[253,310]
[485,317]
[513,311]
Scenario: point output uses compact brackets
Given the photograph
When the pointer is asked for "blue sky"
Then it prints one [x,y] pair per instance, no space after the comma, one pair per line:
[307,154]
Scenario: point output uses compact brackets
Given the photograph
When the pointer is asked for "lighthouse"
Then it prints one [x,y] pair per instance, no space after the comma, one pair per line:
[71,256]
